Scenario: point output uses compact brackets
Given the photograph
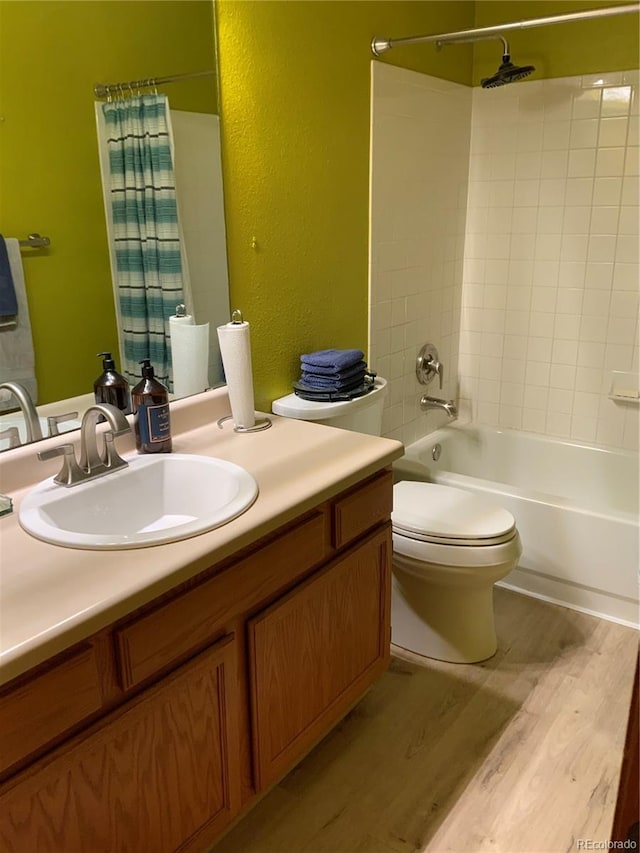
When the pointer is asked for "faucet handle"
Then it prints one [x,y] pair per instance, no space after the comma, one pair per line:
[54,420]
[438,368]
[70,473]
[12,435]
[428,365]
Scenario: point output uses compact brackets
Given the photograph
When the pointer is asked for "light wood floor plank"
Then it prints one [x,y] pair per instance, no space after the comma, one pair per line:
[520,754]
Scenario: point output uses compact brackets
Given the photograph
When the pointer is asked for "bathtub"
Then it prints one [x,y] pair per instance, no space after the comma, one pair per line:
[576,508]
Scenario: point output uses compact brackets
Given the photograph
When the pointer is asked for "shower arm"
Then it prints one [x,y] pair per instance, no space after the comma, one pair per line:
[381,45]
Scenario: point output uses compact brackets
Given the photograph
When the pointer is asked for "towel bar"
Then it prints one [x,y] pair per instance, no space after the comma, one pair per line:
[35,241]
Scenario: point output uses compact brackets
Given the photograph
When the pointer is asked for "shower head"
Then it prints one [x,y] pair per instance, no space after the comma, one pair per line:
[507,73]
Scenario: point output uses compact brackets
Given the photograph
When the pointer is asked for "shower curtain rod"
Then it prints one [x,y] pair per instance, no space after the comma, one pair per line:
[381,45]
[104,90]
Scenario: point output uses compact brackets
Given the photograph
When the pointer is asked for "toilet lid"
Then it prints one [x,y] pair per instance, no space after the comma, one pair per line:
[435,513]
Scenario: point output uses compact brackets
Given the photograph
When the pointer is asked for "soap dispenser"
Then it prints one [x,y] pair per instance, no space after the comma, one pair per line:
[151,423]
[111,386]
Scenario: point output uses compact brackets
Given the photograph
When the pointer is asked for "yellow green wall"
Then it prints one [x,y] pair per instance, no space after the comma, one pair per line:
[294,87]
[51,54]
[294,84]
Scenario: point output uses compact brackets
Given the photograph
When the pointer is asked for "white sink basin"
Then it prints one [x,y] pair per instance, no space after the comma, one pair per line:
[156,499]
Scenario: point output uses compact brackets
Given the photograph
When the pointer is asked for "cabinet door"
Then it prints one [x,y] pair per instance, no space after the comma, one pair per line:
[147,779]
[314,652]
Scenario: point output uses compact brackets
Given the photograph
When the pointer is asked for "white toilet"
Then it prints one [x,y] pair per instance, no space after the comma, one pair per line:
[449,548]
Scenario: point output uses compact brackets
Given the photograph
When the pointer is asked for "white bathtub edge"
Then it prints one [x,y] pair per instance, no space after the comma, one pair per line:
[594,603]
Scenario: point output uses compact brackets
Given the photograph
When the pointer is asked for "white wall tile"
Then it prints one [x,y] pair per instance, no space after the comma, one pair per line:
[584,133]
[613,132]
[626,250]
[556,135]
[610,162]
[534,420]
[607,190]
[629,222]
[586,104]
[599,275]
[594,329]
[538,373]
[605,220]
[625,276]
[579,192]
[538,300]
[418,234]
[572,273]
[567,327]
[554,164]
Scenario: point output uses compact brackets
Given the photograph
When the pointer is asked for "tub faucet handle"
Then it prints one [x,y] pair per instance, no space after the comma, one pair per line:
[428,365]
[438,368]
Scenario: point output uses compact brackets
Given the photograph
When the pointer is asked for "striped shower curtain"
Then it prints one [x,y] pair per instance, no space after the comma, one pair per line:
[145,229]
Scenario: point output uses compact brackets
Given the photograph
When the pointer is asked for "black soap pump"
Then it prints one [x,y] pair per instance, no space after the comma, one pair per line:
[111,386]
[151,422]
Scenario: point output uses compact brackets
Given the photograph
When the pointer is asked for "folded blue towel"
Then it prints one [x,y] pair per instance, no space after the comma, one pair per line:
[358,368]
[336,359]
[325,383]
[8,301]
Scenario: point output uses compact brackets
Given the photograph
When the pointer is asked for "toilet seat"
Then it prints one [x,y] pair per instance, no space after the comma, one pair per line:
[446,516]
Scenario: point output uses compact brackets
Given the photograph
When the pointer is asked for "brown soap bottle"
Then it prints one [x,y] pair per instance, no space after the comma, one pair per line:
[111,386]
[151,422]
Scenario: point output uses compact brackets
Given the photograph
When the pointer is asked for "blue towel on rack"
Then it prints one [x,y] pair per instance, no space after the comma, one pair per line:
[357,370]
[335,359]
[8,300]
[325,383]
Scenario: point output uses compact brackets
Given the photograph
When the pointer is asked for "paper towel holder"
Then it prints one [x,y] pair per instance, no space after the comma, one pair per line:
[260,424]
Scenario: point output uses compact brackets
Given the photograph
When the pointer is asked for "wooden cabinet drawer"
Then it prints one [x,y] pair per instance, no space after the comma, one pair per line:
[362,509]
[190,621]
[47,705]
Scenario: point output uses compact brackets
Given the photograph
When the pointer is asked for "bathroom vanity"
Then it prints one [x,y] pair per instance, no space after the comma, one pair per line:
[151,696]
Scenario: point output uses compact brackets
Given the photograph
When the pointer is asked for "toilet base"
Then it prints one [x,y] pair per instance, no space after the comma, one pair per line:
[453,623]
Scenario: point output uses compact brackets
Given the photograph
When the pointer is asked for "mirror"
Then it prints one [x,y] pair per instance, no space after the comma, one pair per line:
[52,53]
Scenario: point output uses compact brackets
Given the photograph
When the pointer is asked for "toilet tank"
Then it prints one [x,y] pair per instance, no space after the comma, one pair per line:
[362,414]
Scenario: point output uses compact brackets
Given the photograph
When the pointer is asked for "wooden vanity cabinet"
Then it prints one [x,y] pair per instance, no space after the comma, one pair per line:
[146,777]
[314,652]
[209,695]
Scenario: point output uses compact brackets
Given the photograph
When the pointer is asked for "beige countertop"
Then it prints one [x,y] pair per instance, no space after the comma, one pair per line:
[52,597]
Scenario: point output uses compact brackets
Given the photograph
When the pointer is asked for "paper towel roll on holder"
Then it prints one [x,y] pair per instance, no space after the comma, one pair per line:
[260,424]
[236,359]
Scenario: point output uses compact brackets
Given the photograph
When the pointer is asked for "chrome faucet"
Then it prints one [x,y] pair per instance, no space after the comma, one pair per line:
[31,419]
[447,406]
[93,463]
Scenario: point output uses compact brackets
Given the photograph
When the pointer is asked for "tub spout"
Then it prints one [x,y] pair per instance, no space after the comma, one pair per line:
[447,406]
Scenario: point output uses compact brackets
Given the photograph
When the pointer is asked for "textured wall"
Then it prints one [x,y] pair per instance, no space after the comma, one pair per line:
[52,53]
[295,83]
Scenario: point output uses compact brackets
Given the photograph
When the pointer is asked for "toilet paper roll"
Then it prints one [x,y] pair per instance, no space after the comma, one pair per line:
[189,355]
[235,349]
